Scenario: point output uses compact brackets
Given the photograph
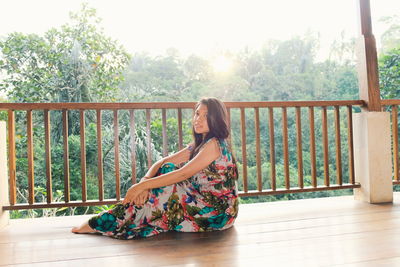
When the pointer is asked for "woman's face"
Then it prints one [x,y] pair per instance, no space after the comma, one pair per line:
[200,120]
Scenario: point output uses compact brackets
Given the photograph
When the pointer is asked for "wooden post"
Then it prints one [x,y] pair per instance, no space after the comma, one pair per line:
[372,135]
[4,215]
[367,61]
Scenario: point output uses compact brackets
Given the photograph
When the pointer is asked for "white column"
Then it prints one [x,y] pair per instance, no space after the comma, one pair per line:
[4,215]
[373,157]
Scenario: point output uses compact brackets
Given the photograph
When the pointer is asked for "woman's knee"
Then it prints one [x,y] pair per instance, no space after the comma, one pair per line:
[166,167]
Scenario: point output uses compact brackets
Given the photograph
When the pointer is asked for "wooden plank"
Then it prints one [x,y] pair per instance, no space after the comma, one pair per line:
[172,105]
[350,143]
[164,132]
[325,145]
[66,156]
[244,154]
[31,176]
[261,241]
[180,134]
[339,178]
[272,147]
[83,153]
[11,157]
[47,136]
[116,157]
[133,144]
[285,147]
[301,226]
[395,142]
[258,148]
[148,133]
[312,148]
[99,156]
[299,148]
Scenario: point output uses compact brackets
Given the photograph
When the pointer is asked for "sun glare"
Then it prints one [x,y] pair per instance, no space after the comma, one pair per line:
[222,64]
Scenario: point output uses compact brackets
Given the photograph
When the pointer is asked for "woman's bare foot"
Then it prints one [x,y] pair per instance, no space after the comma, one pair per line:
[83,229]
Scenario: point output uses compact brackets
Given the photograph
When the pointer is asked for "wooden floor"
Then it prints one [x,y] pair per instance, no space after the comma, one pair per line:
[336,231]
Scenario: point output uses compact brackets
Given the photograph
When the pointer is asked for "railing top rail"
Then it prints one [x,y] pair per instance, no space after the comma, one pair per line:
[388,102]
[170,105]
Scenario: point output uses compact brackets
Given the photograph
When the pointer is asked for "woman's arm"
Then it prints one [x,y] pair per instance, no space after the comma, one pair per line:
[180,156]
[205,157]
[176,158]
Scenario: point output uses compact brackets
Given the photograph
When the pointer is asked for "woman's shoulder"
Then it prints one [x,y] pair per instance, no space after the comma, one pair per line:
[219,141]
[213,141]
[221,145]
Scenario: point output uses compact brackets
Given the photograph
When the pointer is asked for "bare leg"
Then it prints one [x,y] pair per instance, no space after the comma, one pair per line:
[83,229]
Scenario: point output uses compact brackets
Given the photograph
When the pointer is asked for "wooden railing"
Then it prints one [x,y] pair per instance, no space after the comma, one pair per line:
[392,106]
[239,108]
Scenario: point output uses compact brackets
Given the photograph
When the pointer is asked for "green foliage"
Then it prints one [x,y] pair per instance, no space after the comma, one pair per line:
[391,37]
[40,196]
[389,74]
[76,63]
[99,209]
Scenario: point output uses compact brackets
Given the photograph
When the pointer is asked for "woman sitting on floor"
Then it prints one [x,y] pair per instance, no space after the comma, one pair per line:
[200,196]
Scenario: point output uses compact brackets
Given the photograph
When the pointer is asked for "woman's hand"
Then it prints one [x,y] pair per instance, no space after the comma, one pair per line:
[135,195]
[142,198]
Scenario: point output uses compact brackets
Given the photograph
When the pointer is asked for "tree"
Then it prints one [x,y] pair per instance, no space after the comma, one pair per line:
[391,37]
[76,63]
[389,74]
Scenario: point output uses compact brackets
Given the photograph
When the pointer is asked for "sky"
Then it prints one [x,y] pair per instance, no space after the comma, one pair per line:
[202,27]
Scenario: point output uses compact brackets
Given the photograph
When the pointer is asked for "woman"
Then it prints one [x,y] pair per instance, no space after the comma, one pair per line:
[200,196]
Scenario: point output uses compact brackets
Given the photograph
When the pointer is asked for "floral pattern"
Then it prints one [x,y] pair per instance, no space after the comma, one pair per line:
[207,201]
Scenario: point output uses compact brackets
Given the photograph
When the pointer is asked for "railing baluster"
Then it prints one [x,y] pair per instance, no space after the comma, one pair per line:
[395,142]
[31,177]
[11,157]
[350,143]
[148,132]
[116,157]
[272,147]
[229,127]
[66,155]
[325,145]
[312,147]
[244,156]
[285,147]
[299,148]
[164,132]
[99,155]
[83,153]
[133,144]
[180,138]
[339,178]
[258,148]
[47,126]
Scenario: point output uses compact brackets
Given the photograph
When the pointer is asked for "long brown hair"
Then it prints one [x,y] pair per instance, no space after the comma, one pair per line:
[217,124]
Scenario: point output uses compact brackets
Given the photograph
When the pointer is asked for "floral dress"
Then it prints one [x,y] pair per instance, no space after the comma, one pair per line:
[207,201]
